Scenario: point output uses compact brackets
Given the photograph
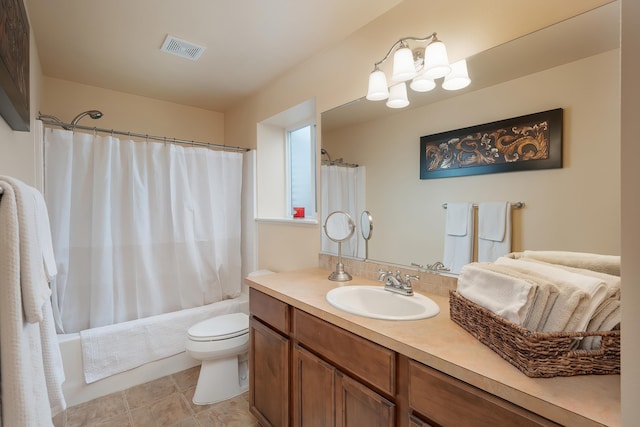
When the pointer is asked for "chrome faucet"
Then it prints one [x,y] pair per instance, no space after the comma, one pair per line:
[399,284]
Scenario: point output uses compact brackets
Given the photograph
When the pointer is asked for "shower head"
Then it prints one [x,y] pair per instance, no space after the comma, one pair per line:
[325,153]
[94,114]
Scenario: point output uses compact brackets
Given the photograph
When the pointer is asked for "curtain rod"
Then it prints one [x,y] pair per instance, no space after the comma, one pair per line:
[165,139]
[515,205]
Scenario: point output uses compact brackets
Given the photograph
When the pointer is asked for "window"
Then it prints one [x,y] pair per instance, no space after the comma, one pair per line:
[301,169]
[286,165]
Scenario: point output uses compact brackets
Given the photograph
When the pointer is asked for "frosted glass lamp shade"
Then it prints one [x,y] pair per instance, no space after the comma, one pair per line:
[436,60]
[422,83]
[398,96]
[403,66]
[458,78]
[378,89]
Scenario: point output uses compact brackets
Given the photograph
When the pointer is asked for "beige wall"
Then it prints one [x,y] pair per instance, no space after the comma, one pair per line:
[575,208]
[339,75]
[133,113]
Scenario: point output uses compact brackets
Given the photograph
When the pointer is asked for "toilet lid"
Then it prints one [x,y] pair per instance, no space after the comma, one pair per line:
[220,327]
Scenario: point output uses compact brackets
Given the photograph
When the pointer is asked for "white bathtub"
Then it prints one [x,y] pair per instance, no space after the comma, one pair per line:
[75,389]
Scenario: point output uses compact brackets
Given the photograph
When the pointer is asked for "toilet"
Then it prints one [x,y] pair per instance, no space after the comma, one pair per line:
[222,344]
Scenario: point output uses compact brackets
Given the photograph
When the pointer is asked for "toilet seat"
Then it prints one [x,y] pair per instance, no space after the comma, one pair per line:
[220,328]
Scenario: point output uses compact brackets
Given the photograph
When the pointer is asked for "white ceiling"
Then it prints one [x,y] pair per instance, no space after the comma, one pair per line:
[115,44]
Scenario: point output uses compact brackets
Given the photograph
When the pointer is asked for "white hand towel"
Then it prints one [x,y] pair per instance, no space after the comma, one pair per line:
[33,280]
[43,231]
[494,230]
[458,236]
[504,295]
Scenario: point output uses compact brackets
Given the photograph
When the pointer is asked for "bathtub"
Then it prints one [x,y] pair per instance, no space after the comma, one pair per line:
[77,391]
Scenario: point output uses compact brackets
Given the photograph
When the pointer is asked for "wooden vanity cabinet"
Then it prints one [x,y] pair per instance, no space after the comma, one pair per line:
[304,371]
[269,354]
[334,376]
[446,401]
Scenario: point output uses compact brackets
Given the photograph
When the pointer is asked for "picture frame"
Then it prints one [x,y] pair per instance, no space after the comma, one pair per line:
[14,65]
[523,143]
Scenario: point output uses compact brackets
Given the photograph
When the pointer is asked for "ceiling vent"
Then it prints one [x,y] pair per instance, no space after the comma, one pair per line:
[181,48]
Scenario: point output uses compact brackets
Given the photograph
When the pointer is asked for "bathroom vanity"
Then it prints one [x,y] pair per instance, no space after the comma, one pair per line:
[313,364]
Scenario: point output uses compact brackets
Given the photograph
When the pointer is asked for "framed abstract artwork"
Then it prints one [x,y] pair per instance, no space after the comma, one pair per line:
[14,64]
[528,142]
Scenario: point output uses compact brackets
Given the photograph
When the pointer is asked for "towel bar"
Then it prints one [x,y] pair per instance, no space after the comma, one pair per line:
[515,205]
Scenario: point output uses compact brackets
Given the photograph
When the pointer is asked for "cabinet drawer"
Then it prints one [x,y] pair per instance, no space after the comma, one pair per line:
[269,310]
[451,402]
[364,359]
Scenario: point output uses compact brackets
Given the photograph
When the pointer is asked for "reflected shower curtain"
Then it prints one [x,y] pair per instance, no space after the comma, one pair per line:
[139,228]
[343,189]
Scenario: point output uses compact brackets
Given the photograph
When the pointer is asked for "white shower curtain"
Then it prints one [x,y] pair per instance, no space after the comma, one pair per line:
[343,189]
[139,228]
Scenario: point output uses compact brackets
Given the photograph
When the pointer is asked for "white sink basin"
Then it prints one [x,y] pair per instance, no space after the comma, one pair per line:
[375,302]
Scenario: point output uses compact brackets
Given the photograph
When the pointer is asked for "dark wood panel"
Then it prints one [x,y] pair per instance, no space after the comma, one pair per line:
[357,405]
[268,375]
[313,390]
[451,402]
[270,310]
[362,358]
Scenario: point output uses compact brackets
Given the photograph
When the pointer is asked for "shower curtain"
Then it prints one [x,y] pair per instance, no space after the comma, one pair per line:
[139,228]
[343,189]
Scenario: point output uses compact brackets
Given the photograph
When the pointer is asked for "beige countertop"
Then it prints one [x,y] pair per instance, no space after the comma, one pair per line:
[586,400]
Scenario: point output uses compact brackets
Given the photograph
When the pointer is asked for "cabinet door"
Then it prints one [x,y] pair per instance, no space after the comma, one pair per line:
[268,375]
[313,390]
[358,405]
[417,422]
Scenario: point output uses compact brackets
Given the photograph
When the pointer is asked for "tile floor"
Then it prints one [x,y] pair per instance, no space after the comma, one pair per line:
[165,402]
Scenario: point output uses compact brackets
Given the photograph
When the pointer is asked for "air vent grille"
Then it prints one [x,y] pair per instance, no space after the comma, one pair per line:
[182,48]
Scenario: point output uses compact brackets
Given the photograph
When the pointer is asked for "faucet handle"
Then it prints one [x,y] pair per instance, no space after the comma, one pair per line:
[382,275]
[408,278]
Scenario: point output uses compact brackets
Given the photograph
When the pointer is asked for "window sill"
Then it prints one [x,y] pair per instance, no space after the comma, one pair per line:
[289,221]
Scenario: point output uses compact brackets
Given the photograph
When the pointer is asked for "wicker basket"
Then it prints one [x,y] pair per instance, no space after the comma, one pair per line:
[537,354]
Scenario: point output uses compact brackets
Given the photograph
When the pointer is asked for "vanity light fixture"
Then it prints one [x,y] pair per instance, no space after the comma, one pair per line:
[420,65]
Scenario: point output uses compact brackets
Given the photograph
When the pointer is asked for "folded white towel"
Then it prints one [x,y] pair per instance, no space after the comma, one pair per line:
[579,295]
[494,230]
[544,298]
[609,264]
[504,295]
[458,236]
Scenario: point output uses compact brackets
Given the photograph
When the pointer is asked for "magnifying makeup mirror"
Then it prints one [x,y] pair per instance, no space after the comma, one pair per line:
[366,227]
[339,227]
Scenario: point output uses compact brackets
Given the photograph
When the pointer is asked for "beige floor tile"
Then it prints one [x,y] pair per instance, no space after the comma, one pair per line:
[188,395]
[97,410]
[118,421]
[230,413]
[170,410]
[145,394]
[188,378]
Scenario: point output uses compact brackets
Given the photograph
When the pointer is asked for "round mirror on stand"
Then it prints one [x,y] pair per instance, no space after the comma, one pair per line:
[339,227]
[366,226]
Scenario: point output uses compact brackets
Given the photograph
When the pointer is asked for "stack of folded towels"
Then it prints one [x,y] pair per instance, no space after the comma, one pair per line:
[549,291]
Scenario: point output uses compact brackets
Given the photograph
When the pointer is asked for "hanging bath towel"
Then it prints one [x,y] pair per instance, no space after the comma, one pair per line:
[458,236]
[494,230]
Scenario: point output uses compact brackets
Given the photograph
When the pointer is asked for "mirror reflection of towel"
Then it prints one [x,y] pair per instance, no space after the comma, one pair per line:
[494,230]
[458,236]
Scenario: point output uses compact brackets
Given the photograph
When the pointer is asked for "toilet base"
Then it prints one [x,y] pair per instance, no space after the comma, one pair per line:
[221,379]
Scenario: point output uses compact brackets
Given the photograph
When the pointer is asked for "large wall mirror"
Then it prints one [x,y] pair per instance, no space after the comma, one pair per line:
[573,65]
